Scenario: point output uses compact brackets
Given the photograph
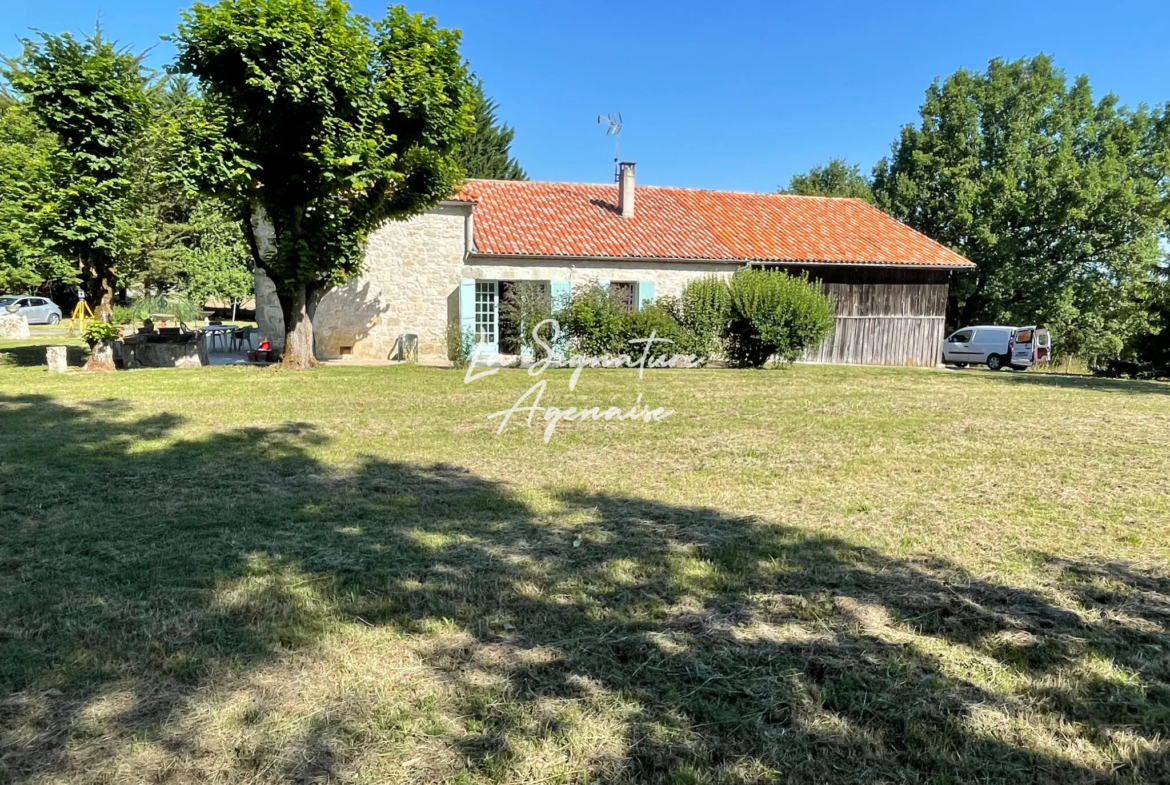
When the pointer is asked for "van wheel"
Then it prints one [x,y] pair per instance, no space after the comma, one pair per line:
[1020,368]
[994,362]
[959,365]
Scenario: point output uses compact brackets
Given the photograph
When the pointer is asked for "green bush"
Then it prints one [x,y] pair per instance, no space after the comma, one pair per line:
[174,304]
[99,332]
[592,323]
[460,345]
[704,310]
[774,315]
[638,325]
[121,314]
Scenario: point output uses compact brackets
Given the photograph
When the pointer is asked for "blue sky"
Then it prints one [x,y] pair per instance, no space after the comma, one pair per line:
[735,95]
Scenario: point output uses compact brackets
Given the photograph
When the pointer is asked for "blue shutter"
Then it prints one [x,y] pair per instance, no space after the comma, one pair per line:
[561,292]
[645,294]
[467,306]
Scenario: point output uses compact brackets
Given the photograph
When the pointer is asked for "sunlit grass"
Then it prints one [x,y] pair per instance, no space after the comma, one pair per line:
[822,574]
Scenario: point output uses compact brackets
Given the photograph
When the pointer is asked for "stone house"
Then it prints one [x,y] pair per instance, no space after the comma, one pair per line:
[455,263]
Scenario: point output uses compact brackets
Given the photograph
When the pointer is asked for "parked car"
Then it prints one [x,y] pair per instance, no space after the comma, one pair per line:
[37,310]
[998,347]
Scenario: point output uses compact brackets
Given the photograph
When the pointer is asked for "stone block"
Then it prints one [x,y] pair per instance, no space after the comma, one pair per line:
[57,358]
[14,327]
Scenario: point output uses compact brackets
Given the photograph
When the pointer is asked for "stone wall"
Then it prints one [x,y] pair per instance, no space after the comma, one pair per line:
[165,355]
[409,284]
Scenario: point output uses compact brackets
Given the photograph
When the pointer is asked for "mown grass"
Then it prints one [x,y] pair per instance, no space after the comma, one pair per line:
[818,575]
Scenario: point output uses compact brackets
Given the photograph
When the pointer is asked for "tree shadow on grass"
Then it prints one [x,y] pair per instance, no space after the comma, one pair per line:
[32,355]
[610,638]
[1070,382]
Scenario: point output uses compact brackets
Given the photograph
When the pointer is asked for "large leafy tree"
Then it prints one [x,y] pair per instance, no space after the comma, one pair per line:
[326,125]
[487,151]
[185,240]
[836,178]
[92,96]
[217,264]
[1058,198]
[27,152]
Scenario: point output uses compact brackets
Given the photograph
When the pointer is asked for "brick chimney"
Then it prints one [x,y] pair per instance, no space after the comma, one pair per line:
[626,189]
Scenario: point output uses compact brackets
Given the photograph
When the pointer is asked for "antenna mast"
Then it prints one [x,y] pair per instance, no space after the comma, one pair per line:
[614,121]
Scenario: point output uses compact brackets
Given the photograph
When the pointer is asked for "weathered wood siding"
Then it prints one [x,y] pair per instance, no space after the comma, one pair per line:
[885,316]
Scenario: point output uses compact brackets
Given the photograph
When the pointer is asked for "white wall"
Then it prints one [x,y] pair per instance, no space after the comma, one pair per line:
[670,278]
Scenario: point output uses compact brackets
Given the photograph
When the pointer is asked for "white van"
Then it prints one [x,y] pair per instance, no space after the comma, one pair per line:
[997,347]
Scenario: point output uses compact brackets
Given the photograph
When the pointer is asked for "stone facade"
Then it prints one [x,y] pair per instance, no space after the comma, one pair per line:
[410,285]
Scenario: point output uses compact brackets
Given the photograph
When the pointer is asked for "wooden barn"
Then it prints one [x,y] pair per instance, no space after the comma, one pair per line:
[885,315]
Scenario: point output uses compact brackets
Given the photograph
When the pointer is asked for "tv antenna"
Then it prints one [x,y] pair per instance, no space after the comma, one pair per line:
[614,121]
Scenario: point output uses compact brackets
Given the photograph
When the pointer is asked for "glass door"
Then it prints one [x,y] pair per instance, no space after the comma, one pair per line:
[487,317]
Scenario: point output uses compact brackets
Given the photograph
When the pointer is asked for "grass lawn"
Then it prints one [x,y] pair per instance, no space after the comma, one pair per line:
[818,575]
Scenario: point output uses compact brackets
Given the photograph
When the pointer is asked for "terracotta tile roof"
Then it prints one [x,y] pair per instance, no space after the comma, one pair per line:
[581,220]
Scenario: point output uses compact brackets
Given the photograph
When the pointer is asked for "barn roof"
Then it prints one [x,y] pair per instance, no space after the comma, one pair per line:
[580,220]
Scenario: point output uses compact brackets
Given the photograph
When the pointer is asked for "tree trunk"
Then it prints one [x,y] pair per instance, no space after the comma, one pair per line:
[105,309]
[101,357]
[299,306]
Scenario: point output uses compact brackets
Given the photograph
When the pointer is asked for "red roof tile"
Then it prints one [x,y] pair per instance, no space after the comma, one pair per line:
[581,220]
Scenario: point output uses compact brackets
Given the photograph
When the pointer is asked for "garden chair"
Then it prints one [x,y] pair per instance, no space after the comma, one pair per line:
[242,338]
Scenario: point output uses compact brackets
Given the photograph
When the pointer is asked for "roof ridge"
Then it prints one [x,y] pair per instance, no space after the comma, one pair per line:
[670,188]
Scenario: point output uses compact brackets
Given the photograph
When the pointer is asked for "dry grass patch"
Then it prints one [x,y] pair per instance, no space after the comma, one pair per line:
[817,575]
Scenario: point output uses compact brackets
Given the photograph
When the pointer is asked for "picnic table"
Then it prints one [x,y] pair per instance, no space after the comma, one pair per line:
[220,331]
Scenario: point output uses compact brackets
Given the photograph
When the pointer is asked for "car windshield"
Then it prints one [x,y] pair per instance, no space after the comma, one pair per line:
[8,300]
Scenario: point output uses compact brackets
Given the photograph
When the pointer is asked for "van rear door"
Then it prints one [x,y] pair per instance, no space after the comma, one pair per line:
[1042,351]
[1023,345]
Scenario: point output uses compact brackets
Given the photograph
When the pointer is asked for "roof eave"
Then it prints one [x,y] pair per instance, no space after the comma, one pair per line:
[698,260]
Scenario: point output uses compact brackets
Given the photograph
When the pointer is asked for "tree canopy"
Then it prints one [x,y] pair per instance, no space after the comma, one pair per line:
[326,125]
[92,96]
[1058,198]
[27,153]
[182,240]
[487,151]
[836,178]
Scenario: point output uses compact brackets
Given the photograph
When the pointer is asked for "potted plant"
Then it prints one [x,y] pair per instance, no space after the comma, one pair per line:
[100,336]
